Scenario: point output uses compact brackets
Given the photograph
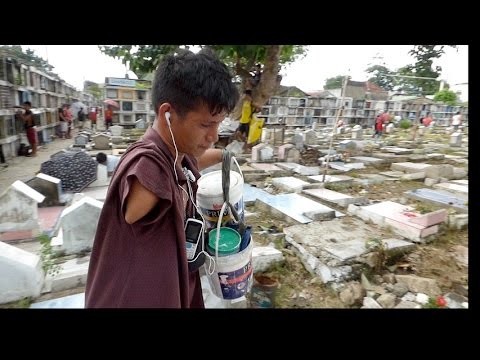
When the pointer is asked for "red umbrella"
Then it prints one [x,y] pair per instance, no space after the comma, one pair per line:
[112,103]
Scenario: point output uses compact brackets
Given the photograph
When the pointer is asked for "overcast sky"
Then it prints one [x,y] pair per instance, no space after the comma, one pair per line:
[76,63]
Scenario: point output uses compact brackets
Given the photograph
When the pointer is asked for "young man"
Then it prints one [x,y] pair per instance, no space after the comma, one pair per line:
[139,252]
[29,124]
[248,108]
[110,161]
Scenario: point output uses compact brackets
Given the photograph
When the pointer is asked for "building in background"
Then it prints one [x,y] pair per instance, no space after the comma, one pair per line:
[133,97]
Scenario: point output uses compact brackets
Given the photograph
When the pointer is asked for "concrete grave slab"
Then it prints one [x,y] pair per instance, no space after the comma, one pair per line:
[76,301]
[50,187]
[292,207]
[393,174]
[98,193]
[345,167]
[289,183]
[440,197]
[454,188]
[409,167]
[21,274]
[335,197]
[368,160]
[252,193]
[397,150]
[19,207]
[337,179]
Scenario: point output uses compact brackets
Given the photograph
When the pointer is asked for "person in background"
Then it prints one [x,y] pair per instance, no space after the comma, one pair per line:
[81,117]
[63,123]
[110,161]
[30,129]
[108,114]
[456,120]
[247,111]
[69,117]
[427,120]
[139,254]
[92,115]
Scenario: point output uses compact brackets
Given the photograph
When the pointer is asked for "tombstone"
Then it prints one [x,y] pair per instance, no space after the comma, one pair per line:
[87,134]
[357,134]
[421,130]
[116,130]
[78,224]
[456,139]
[266,153]
[81,140]
[282,151]
[256,152]
[347,144]
[19,207]
[389,128]
[347,129]
[293,155]
[268,136]
[140,124]
[298,139]
[101,142]
[117,139]
[310,137]
[22,274]
[50,187]
[102,177]
[340,130]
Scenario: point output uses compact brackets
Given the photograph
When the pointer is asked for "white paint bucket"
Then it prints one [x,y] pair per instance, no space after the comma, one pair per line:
[233,275]
[210,197]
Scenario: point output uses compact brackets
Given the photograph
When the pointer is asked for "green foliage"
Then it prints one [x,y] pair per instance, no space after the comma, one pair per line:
[380,77]
[143,59]
[49,265]
[405,124]
[28,57]
[95,91]
[334,83]
[446,96]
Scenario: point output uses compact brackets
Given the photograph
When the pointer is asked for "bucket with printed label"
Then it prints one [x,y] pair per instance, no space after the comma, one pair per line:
[210,197]
[233,274]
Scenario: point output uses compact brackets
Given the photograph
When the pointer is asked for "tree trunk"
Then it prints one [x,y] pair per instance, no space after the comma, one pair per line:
[269,81]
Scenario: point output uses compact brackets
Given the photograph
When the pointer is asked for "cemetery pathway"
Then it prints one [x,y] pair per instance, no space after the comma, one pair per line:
[23,168]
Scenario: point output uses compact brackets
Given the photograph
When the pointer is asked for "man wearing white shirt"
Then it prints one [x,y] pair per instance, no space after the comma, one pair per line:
[110,161]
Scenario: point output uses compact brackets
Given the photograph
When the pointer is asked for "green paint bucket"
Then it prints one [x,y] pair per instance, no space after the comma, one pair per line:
[228,243]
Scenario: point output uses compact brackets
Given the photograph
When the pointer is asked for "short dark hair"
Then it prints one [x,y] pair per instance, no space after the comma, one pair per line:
[27,103]
[187,81]
[101,157]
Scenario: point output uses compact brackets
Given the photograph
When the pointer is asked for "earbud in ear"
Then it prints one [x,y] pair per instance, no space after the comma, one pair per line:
[167,116]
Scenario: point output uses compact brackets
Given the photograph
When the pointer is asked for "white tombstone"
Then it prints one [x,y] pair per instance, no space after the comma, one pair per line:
[293,155]
[21,274]
[389,128]
[456,139]
[298,139]
[116,130]
[421,130]
[266,153]
[256,152]
[310,137]
[19,207]
[282,151]
[102,177]
[357,134]
[79,224]
[81,139]
[101,142]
